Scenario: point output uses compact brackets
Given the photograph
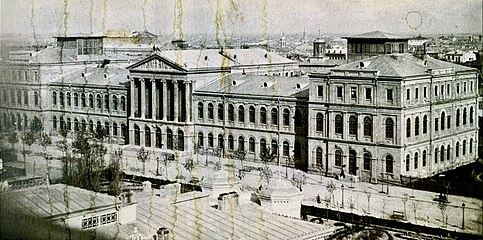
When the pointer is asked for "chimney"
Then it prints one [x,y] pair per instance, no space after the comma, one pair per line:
[146,186]
[162,234]
[228,201]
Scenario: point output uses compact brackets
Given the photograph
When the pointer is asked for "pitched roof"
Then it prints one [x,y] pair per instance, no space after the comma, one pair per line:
[194,59]
[110,75]
[49,201]
[400,65]
[255,56]
[52,55]
[194,218]
[251,85]
[376,35]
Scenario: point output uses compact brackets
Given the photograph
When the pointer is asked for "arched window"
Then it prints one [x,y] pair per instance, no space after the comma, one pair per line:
[416,126]
[263,146]
[389,128]
[286,149]
[76,99]
[367,161]
[231,113]
[91,101]
[210,111]
[416,159]
[263,115]
[107,127]
[408,127]
[54,122]
[137,136]
[123,103]
[425,124]
[436,151]
[448,152]
[115,131]
[230,142]
[458,115]
[69,123]
[83,125]
[443,120]
[241,114]
[286,117]
[408,162]
[339,125]
[221,112]
[147,136]
[464,147]
[19,123]
[251,114]
[274,116]
[464,116]
[200,110]
[471,146]
[61,99]
[442,152]
[318,156]
[180,146]
[169,139]
[319,122]
[221,142]
[251,145]
[241,144]
[106,102]
[338,158]
[200,141]
[457,149]
[114,102]
[68,99]
[389,163]
[36,98]
[274,147]
[98,101]
[353,125]
[54,98]
[367,127]
[425,155]
[210,140]
[76,125]
[124,131]
[471,114]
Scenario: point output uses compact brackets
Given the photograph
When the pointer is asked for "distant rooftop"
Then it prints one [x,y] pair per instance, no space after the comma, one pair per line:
[275,86]
[400,65]
[376,35]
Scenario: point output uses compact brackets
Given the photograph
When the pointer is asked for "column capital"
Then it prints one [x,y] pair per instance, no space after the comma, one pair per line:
[152,79]
[142,79]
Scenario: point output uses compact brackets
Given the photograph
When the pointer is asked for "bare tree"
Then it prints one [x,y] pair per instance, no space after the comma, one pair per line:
[416,206]
[351,207]
[299,180]
[165,159]
[443,205]
[12,138]
[143,156]
[331,188]
[266,174]
[189,165]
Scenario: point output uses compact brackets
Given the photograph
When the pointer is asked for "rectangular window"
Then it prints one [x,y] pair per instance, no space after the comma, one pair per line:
[388,48]
[457,88]
[339,92]
[401,48]
[448,89]
[353,93]
[389,95]
[425,92]
[368,94]
[464,87]
[471,86]
[416,94]
[408,94]
[442,90]
[435,90]
[436,126]
[320,91]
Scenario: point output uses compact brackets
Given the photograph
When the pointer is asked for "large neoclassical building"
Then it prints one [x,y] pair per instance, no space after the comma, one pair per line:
[391,116]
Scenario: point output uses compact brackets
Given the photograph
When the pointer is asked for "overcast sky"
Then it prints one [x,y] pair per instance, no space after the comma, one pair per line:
[227,17]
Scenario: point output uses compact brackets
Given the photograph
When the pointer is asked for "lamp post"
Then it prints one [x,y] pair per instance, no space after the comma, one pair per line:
[463,221]
[342,187]
[157,166]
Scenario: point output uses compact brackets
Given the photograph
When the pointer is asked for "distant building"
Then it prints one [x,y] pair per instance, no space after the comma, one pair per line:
[374,43]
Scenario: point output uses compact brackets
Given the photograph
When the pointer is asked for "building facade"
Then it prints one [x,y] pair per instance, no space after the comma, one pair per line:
[392,116]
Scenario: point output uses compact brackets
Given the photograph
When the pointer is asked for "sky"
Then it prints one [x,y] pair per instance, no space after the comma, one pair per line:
[177,18]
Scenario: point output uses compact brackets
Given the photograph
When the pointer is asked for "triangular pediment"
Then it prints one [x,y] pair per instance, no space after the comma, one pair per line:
[156,63]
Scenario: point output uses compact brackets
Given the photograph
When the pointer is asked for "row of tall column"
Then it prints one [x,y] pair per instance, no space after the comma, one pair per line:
[173,94]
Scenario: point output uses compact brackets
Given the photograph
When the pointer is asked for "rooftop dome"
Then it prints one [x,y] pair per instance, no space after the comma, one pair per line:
[279,187]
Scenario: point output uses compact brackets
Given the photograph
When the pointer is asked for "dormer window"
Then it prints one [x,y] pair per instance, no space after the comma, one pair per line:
[105,75]
[234,83]
[297,86]
[361,64]
[266,55]
[234,56]
[265,84]
[206,58]
[82,75]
